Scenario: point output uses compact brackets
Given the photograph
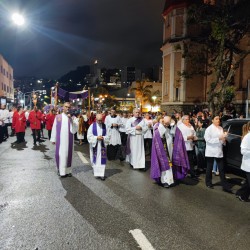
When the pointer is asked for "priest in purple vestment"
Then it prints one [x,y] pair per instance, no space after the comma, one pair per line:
[161,155]
[168,162]
[98,139]
[62,136]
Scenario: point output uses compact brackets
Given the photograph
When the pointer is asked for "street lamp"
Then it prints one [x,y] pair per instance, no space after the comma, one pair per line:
[154,98]
[18,19]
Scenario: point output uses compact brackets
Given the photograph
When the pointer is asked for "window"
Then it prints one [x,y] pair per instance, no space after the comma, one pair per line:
[236,129]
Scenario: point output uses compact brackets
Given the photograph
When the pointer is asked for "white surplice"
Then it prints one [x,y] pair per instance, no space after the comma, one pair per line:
[187,131]
[79,136]
[137,156]
[98,167]
[114,134]
[64,142]
[149,134]
[167,176]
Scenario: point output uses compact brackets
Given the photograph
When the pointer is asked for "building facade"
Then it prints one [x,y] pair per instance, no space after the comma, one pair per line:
[6,82]
[179,93]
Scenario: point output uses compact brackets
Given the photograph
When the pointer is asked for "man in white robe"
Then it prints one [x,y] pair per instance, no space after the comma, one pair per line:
[63,130]
[136,127]
[122,130]
[112,123]
[98,140]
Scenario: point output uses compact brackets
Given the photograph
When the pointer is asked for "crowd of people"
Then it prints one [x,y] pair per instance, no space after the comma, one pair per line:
[178,145]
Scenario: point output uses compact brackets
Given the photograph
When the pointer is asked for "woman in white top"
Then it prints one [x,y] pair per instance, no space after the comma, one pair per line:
[244,192]
[215,139]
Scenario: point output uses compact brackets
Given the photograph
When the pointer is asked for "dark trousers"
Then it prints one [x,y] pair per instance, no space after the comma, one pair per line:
[124,137]
[49,134]
[191,156]
[148,145]
[5,131]
[113,152]
[12,131]
[220,163]
[244,191]
[36,135]
[1,134]
[201,159]
[20,137]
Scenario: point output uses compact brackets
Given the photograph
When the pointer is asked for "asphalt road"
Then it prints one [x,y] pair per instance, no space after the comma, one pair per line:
[38,210]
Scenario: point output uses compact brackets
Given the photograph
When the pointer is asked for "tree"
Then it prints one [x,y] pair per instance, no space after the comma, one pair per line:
[142,92]
[150,99]
[219,48]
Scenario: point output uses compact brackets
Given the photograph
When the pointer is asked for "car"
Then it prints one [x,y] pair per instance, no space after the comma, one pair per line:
[232,152]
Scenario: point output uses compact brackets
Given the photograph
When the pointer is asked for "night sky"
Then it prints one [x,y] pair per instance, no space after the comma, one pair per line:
[63,34]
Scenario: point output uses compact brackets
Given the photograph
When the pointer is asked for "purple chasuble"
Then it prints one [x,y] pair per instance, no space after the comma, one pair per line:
[180,158]
[58,139]
[103,149]
[159,159]
[134,124]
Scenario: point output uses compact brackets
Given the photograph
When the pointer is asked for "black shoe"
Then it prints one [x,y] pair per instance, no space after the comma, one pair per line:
[69,175]
[210,186]
[103,178]
[165,185]
[194,177]
[241,199]
[227,190]
[63,176]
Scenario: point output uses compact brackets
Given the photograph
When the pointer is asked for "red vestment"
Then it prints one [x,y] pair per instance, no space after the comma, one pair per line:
[49,121]
[35,119]
[19,122]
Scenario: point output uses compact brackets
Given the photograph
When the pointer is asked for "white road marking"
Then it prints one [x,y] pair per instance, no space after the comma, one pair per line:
[83,159]
[141,239]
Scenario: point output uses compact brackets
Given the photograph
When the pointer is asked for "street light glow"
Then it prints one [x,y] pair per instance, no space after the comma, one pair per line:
[18,19]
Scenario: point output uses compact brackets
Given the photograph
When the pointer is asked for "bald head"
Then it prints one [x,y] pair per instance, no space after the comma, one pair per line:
[99,118]
[166,121]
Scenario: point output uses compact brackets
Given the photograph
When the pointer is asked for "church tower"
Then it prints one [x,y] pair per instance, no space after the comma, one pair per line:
[178,93]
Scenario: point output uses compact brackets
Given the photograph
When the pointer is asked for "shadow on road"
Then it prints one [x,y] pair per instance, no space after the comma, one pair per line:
[20,146]
[81,169]
[110,172]
[106,219]
[43,149]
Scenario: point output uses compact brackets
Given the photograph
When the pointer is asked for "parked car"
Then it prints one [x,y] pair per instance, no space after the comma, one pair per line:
[233,156]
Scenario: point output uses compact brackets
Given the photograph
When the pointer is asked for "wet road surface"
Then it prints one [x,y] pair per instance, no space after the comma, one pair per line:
[39,210]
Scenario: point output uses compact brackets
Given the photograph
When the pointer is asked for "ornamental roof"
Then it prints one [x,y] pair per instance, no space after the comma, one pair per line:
[172,4]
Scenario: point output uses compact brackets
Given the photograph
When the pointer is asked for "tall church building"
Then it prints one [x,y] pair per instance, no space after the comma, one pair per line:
[179,93]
